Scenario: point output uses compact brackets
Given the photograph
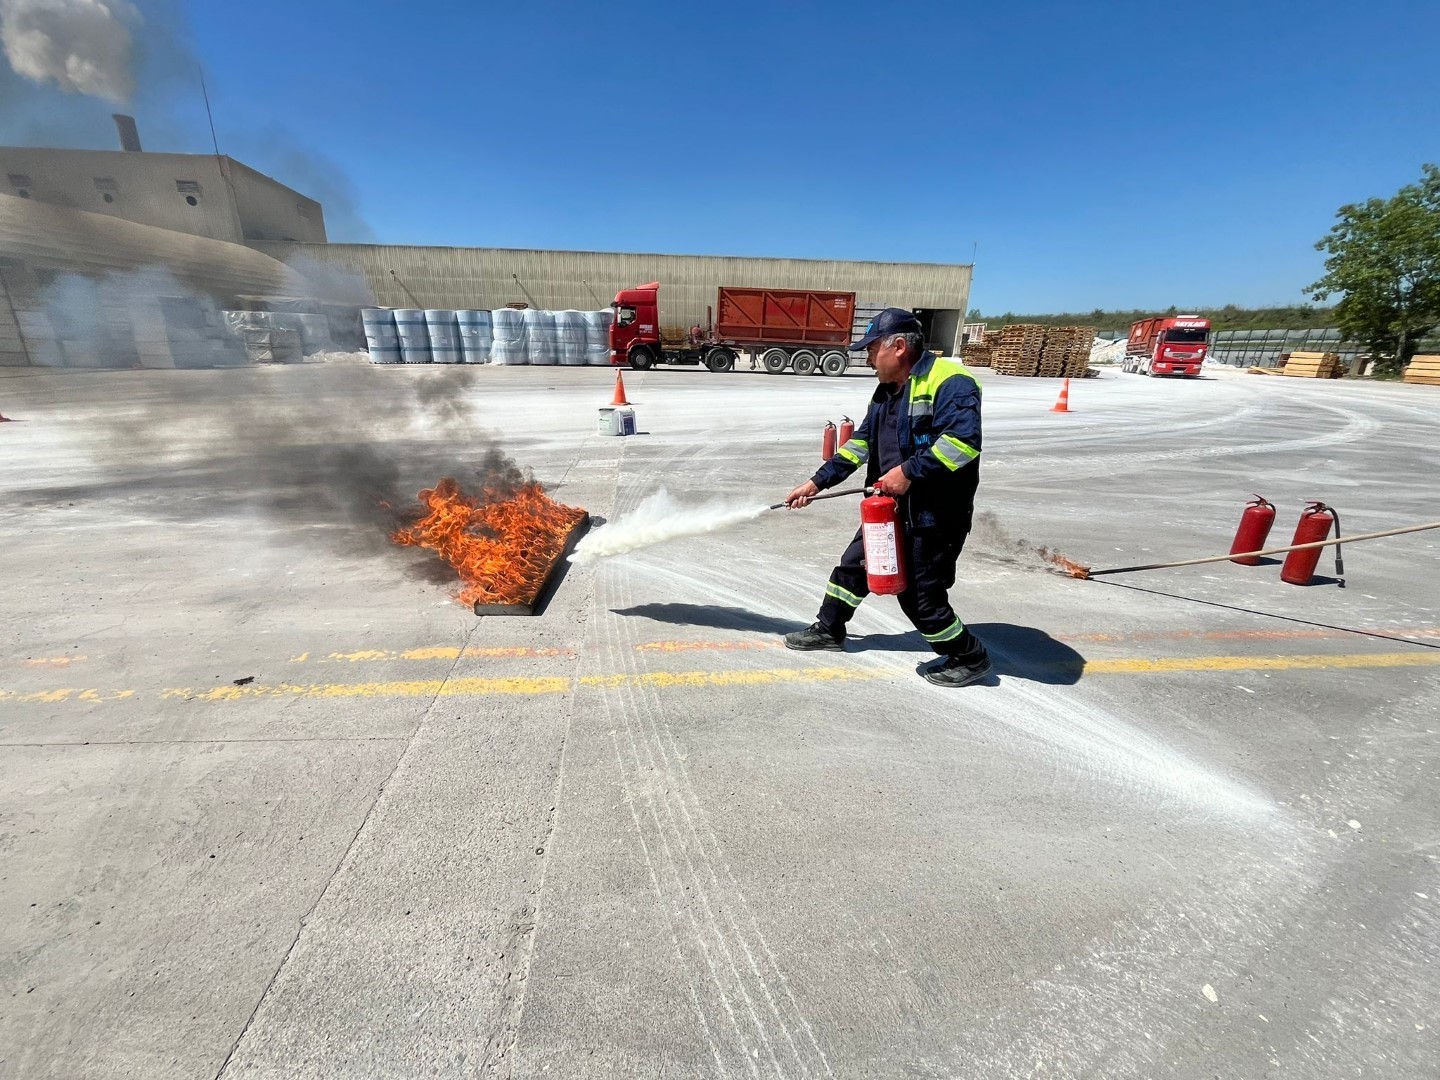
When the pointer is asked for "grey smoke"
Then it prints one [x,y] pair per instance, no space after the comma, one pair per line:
[303,449]
[69,61]
[81,46]
[333,281]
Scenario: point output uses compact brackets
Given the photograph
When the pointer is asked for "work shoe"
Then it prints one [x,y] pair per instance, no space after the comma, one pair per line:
[953,671]
[813,636]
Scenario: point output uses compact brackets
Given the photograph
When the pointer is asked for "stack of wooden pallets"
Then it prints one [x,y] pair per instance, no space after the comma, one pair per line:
[1313,365]
[1054,352]
[978,354]
[1018,349]
[1424,370]
[1077,357]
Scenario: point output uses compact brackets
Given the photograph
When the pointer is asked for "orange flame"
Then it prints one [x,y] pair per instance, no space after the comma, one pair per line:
[1060,562]
[502,548]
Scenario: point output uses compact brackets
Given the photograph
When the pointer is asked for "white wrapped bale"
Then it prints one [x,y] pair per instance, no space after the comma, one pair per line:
[507,345]
[444,330]
[414,337]
[476,335]
[542,342]
[381,339]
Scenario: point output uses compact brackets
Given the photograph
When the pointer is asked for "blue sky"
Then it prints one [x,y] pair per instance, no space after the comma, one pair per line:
[1118,154]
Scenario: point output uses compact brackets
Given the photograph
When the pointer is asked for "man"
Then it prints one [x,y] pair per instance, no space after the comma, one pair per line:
[920,443]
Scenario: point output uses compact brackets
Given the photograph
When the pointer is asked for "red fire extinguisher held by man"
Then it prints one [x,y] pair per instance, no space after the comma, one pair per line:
[1314,526]
[884,545]
[1255,522]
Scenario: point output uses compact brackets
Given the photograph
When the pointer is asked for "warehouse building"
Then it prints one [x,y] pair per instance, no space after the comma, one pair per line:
[218,234]
[453,277]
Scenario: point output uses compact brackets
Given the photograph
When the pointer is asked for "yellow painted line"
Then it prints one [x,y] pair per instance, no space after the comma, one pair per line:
[404,688]
[669,680]
[442,652]
[693,679]
[51,661]
[708,646]
[1261,663]
[52,697]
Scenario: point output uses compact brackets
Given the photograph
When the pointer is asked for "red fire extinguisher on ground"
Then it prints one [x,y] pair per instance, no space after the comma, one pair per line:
[1315,522]
[884,545]
[1255,523]
[827,443]
[847,428]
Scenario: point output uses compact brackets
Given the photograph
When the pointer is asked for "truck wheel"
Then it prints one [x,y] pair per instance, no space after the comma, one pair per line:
[834,363]
[804,362]
[775,360]
[719,359]
[642,359]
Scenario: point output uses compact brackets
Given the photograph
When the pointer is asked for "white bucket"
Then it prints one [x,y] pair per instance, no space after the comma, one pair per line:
[616,420]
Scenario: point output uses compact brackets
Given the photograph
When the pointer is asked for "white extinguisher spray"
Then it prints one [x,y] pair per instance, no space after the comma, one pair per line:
[884,545]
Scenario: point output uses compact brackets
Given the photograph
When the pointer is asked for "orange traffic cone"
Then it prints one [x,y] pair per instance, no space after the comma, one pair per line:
[619,398]
[1063,405]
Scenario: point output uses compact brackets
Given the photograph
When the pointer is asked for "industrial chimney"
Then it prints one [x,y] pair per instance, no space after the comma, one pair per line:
[129,133]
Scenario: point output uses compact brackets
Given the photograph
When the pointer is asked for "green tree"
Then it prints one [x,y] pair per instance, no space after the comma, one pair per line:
[1384,258]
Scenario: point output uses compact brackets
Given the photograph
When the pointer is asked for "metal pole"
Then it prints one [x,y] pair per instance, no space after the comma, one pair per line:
[1250,554]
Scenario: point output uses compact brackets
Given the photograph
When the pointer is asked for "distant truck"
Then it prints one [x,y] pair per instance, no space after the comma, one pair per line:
[801,330]
[1169,345]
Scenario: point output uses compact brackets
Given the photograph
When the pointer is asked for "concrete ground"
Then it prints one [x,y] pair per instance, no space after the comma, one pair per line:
[1175,837]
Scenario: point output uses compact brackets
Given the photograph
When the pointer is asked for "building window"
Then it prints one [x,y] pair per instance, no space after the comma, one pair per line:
[18,179]
[187,187]
[108,197]
[192,200]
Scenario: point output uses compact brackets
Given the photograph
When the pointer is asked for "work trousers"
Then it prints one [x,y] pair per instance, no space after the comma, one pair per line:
[931,556]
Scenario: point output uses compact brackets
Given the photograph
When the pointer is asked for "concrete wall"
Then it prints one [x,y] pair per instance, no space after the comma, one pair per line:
[143,189]
[269,210]
[449,277]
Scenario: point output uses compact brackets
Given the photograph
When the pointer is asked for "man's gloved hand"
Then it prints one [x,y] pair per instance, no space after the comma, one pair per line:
[802,495]
[894,482]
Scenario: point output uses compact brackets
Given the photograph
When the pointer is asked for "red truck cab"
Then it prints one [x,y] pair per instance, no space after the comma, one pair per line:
[636,325]
[1172,345]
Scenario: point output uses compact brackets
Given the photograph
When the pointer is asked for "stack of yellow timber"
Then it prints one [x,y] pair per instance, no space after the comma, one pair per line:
[1313,365]
[1424,370]
[978,354]
[1018,349]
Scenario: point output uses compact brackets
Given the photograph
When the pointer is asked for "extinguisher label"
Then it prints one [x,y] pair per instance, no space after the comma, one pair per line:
[881,555]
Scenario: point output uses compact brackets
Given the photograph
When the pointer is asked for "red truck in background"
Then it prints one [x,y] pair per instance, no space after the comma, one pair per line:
[800,329]
[1167,345]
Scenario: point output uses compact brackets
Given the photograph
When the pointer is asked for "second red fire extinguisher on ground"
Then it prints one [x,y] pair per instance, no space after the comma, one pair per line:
[1255,524]
[827,442]
[884,545]
[1315,522]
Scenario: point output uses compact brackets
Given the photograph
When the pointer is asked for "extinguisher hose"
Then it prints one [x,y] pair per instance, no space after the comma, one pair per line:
[826,495]
[1339,558]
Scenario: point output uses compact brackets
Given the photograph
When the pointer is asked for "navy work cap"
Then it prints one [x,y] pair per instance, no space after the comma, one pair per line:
[891,320]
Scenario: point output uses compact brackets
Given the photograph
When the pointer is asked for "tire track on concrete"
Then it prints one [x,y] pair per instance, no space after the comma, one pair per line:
[1357,426]
[693,823]
[668,882]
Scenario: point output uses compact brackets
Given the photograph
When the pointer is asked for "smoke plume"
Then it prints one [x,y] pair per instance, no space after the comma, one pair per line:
[70,61]
[81,46]
[299,455]
[658,519]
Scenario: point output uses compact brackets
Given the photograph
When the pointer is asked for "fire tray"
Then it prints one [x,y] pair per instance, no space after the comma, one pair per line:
[547,586]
